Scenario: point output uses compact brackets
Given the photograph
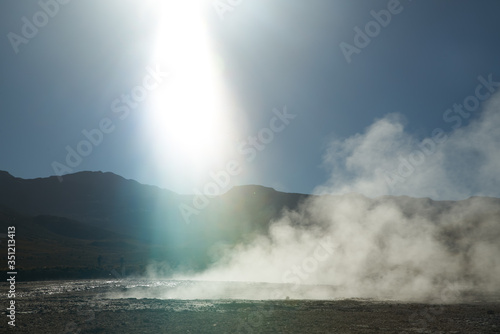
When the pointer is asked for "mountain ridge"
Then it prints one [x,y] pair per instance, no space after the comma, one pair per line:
[91,214]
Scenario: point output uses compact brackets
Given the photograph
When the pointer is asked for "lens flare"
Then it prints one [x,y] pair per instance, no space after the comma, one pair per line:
[188,119]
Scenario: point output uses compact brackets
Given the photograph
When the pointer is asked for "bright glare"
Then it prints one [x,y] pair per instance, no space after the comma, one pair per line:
[188,118]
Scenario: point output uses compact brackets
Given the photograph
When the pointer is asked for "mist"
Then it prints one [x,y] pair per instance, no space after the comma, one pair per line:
[363,236]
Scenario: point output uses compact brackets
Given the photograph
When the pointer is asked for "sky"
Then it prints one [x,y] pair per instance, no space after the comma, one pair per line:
[301,96]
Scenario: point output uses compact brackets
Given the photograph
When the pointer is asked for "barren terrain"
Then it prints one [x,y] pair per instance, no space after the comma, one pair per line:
[75,308]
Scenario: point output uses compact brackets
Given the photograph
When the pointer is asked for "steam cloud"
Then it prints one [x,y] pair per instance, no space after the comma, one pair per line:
[350,245]
[447,165]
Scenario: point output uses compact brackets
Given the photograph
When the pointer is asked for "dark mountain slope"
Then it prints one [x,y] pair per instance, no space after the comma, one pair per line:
[95,213]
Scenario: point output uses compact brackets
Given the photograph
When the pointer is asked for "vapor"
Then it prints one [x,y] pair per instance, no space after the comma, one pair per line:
[369,245]
[453,162]
[352,240]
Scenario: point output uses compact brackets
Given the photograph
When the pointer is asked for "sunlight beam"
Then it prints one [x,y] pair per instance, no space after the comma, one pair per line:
[188,119]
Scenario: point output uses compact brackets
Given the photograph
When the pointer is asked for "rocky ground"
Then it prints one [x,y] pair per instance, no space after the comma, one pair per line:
[91,311]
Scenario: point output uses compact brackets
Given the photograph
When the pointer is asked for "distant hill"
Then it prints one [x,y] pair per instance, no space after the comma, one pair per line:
[92,214]
[140,211]
[91,211]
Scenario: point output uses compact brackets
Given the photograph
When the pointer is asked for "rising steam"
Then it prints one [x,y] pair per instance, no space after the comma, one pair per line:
[398,247]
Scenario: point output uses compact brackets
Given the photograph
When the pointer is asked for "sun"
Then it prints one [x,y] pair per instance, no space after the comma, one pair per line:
[188,117]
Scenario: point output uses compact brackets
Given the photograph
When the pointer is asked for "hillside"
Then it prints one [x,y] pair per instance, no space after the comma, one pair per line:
[69,225]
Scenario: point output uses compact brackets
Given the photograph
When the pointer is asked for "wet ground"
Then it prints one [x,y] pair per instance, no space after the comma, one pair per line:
[104,307]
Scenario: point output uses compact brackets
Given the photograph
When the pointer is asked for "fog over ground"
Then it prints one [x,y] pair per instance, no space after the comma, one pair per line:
[368,245]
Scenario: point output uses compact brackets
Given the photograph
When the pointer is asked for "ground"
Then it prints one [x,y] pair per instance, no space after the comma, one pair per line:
[91,311]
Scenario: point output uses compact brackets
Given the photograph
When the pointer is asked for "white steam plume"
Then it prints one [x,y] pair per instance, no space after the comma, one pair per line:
[387,247]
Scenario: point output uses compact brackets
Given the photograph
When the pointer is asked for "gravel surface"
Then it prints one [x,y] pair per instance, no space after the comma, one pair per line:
[40,308]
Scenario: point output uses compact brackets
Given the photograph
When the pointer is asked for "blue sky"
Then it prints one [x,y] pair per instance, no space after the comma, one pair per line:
[267,56]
